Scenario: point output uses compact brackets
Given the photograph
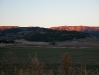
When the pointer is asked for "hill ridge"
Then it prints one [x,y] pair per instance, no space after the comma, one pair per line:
[8,27]
[76,28]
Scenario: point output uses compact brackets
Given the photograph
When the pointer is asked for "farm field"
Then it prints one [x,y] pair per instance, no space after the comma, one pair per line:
[88,56]
[18,60]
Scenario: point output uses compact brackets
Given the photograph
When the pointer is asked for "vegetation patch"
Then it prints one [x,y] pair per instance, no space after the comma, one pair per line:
[49,61]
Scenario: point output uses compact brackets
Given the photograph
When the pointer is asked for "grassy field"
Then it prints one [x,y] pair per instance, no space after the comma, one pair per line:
[51,57]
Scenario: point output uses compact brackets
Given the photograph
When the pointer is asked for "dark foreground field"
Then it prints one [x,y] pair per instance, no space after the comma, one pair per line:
[50,57]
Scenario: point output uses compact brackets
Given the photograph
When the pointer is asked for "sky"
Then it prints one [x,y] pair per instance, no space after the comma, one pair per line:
[49,13]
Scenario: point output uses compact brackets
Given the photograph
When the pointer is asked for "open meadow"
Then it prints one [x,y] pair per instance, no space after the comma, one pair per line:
[83,55]
[51,57]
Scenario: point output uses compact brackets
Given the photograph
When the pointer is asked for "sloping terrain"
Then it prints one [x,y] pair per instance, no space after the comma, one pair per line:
[93,30]
[40,34]
[8,27]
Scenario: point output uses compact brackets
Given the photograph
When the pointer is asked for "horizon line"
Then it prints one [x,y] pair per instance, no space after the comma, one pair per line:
[44,27]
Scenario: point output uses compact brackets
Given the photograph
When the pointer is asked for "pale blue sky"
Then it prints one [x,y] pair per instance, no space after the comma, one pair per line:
[48,13]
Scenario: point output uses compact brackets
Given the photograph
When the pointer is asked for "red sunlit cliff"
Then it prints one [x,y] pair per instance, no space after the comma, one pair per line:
[7,27]
[68,28]
[76,28]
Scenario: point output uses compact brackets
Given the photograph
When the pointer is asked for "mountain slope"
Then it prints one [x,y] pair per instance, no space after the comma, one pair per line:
[7,27]
[40,34]
[94,30]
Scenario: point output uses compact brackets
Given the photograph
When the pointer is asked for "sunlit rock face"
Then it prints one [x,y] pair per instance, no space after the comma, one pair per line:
[68,28]
[7,27]
[76,28]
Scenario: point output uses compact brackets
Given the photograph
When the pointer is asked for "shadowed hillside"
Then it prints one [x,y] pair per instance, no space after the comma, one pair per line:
[40,34]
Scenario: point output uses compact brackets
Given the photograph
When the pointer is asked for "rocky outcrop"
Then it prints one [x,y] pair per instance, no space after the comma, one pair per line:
[76,28]
[8,27]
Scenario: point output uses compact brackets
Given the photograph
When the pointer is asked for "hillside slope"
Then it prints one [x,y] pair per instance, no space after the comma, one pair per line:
[40,34]
[7,27]
[94,30]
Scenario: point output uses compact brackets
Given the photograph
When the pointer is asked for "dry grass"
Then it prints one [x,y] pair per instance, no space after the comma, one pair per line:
[66,61]
[86,42]
[34,67]
[22,41]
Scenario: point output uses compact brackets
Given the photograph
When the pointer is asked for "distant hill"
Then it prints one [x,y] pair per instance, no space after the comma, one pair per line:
[88,29]
[40,34]
[8,27]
